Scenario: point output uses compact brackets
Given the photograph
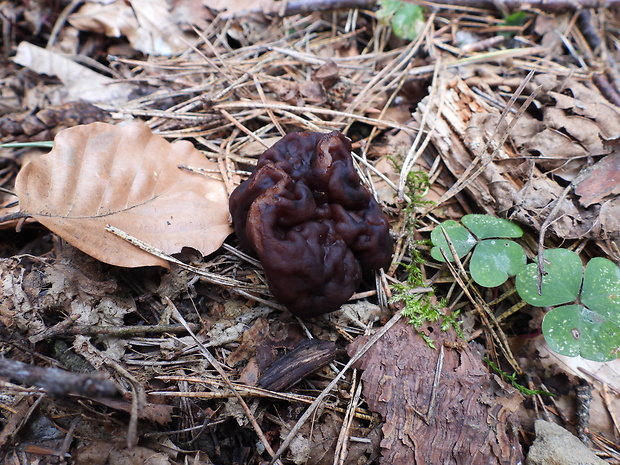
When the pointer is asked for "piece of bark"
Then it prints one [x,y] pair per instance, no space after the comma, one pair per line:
[469,417]
[309,356]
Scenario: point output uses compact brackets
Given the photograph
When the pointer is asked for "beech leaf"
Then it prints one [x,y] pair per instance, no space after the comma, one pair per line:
[127,177]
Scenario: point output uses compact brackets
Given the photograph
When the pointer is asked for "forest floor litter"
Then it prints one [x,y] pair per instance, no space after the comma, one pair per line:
[134,327]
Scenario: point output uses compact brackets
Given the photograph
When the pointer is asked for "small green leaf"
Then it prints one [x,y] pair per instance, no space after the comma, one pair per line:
[516,19]
[560,284]
[408,21]
[387,10]
[494,260]
[601,288]
[461,239]
[485,227]
[575,330]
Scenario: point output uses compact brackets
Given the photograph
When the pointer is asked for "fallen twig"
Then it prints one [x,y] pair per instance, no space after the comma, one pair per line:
[57,382]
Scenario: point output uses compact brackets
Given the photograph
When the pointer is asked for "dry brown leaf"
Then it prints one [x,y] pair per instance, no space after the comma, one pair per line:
[80,82]
[232,8]
[601,375]
[157,413]
[106,452]
[518,181]
[316,442]
[575,122]
[100,174]
[600,182]
[148,24]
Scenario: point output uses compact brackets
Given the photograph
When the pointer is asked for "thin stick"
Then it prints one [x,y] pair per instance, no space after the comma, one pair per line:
[241,127]
[245,391]
[118,331]
[62,19]
[311,110]
[236,286]
[541,236]
[263,99]
[438,369]
[343,438]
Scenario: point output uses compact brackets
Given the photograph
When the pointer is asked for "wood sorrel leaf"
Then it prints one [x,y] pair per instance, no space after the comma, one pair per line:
[601,288]
[485,227]
[560,284]
[494,260]
[461,238]
[576,330]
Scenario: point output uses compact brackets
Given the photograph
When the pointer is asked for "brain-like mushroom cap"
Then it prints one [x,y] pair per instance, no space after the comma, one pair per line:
[311,222]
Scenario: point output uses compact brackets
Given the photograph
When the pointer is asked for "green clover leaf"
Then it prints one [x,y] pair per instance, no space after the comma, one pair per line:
[573,330]
[560,284]
[494,260]
[601,288]
[461,238]
[485,227]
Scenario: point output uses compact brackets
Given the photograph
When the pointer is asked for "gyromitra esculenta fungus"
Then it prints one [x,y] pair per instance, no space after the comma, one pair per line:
[312,224]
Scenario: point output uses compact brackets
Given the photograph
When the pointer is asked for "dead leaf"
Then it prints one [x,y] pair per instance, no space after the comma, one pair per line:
[315,443]
[522,186]
[80,82]
[100,174]
[148,24]
[609,217]
[157,413]
[233,8]
[601,181]
[328,74]
[104,452]
[575,123]
[247,349]
[562,375]
[473,419]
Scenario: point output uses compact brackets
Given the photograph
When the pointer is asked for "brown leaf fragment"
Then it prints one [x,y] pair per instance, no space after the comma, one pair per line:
[306,358]
[251,337]
[157,413]
[328,74]
[239,7]
[473,419]
[105,452]
[151,26]
[127,177]
[576,121]
[14,420]
[603,180]
[609,217]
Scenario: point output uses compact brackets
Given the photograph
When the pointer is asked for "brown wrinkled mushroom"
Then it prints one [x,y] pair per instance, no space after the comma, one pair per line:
[313,225]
